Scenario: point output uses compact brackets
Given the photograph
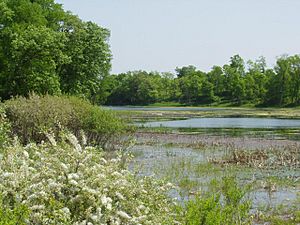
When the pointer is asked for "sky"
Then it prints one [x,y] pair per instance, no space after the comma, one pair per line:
[160,35]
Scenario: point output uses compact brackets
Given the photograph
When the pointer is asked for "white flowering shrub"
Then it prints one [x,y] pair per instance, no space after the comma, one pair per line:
[4,129]
[68,183]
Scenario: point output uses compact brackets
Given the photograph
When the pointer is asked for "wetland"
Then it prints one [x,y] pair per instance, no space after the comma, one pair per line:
[262,152]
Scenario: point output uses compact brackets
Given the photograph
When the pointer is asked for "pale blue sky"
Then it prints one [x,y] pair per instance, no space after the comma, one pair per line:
[159,35]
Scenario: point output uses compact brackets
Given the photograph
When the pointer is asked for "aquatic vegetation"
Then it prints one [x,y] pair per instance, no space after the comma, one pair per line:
[200,112]
[225,203]
[278,215]
[288,157]
[186,160]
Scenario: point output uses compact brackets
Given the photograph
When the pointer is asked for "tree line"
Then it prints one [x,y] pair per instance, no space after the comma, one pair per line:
[47,50]
[44,49]
[235,83]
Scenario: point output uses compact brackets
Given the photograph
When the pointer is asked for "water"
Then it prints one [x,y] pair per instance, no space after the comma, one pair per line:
[152,158]
[190,169]
[227,123]
[177,164]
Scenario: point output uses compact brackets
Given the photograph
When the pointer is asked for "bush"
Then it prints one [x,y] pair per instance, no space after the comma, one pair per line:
[33,117]
[4,129]
[12,216]
[225,204]
[67,183]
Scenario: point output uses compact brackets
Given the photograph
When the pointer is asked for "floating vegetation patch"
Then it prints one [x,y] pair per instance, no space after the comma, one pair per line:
[287,157]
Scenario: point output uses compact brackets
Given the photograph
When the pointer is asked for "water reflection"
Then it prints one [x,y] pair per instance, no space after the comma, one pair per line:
[226,123]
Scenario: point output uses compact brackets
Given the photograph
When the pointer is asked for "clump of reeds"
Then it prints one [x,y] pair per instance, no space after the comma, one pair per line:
[273,157]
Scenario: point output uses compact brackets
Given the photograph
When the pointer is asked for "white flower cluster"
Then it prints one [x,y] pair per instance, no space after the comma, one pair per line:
[65,183]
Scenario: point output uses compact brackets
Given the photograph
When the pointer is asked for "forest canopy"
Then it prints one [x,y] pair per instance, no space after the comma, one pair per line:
[235,83]
[44,49]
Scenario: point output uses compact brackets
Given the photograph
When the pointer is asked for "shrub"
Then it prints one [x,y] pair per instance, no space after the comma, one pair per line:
[17,215]
[224,204]
[4,129]
[67,183]
[33,117]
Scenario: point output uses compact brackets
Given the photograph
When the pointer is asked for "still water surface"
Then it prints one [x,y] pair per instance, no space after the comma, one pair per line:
[227,123]
[265,123]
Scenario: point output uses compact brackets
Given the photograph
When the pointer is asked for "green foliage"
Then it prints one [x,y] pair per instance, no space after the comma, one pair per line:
[89,56]
[235,83]
[31,118]
[277,218]
[33,57]
[15,216]
[101,126]
[135,88]
[47,50]
[224,204]
[185,71]
[284,82]
[234,79]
